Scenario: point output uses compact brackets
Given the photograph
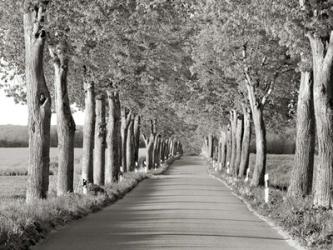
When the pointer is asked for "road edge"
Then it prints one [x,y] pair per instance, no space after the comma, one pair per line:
[290,241]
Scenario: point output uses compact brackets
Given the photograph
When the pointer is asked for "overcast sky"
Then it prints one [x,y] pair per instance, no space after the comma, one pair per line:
[17,114]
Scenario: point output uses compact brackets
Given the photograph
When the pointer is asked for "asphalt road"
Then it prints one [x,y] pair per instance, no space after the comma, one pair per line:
[182,209]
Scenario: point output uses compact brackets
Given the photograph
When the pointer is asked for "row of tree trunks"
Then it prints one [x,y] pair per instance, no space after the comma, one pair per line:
[237,147]
[315,97]
[108,160]
[159,150]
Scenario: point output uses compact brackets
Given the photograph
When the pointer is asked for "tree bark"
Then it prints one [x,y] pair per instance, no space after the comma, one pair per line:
[113,140]
[257,106]
[302,172]
[65,121]
[258,178]
[88,133]
[223,150]
[126,117]
[210,146]
[229,148]
[244,164]
[233,121]
[204,148]
[156,158]
[137,125]
[323,106]
[100,137]
[130,147]
[219,150]
[39,101]
[239,134]
[150,152]
[150,146]
[166,149]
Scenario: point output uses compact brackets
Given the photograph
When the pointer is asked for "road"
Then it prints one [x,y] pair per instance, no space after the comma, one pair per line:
[182,209]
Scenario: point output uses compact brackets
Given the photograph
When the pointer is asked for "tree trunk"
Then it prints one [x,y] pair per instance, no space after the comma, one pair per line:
[210,146]
[125,119]
[113,140]
[223,150]
[239,134]
[323,106]
[100,137]
[233,120]
[39,102]
[258,178]
[219,151]
[166,149]
[88,133]
[204,148]
[155,152]
[229,148]
[123,129]
[302,172]
[130,147]
[150,152]
[65,122]
[244,164]
[137,124]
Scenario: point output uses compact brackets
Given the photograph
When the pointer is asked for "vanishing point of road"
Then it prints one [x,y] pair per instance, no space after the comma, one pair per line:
[182,209]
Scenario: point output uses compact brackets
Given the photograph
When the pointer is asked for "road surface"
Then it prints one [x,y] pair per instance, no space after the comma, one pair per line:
[182,209]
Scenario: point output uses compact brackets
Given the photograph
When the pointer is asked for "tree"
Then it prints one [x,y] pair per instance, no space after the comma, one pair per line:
[38,98]
[307,34]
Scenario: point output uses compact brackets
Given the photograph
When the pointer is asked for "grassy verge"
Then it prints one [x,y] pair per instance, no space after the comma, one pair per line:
[312,228]
[23,225]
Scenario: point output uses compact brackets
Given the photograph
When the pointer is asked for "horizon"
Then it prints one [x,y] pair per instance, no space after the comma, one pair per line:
[8,108]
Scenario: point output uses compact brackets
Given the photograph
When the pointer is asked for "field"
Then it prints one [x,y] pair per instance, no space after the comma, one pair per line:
[13,170]
[278,168]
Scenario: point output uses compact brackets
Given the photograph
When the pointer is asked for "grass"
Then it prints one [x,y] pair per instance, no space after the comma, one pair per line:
[313,228]
[14,160]
[278,167]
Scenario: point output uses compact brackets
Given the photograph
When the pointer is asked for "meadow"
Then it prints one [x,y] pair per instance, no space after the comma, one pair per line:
[13,171]
[278,167]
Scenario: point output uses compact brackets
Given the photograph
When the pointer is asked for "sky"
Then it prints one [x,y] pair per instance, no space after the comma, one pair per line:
[17,114]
